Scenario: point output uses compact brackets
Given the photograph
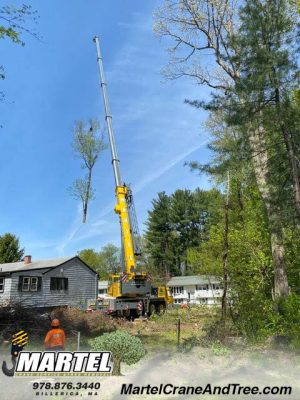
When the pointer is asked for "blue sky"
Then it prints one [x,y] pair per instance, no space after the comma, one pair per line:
[53,82]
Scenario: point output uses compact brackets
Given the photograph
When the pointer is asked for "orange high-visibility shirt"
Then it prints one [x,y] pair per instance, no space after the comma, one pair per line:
[55,337]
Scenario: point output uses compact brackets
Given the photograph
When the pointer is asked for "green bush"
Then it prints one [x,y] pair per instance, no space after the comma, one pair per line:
[289,317]
[219,350]
[255,316]
[123,346]
[89,324]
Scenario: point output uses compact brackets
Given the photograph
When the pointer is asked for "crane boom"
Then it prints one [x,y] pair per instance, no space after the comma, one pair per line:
[131,292]
[122,190]
[108,117]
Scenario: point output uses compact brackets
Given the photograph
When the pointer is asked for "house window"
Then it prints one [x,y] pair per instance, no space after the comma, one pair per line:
[34,284]
[30,283]
[2,280]
[102,291]
[59,284]
[202,287]
[177,289]
[26,284]
[178,301]
[203,301]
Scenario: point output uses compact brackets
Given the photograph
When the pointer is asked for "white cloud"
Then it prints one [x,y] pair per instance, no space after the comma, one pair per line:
[165,168]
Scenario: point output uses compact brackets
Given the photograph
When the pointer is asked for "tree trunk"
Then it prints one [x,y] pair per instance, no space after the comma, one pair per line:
[293,166]
[261,169]
[117,367]
[225,272]
[225,256]
[87,195]
[290,148]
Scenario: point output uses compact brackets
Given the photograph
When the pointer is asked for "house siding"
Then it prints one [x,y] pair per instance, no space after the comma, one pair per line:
[82,286]
[208,293]
[5,296]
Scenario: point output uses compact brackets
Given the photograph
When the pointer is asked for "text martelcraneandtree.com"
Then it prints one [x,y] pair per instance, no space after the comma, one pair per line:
[208,389]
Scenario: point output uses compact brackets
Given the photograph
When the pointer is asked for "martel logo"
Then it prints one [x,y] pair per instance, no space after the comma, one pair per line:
[66,363]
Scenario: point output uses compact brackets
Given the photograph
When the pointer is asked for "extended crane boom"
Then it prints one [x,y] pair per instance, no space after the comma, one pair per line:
[108,117]
[131,291]
[122,190]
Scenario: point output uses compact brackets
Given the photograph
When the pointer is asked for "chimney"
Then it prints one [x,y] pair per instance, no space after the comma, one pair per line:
[27,260]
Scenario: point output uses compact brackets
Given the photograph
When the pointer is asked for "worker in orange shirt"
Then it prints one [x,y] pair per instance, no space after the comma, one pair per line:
[55,338]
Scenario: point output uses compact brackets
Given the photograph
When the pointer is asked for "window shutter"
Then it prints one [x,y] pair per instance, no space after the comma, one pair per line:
[39,284]
[20,283]
[66,283]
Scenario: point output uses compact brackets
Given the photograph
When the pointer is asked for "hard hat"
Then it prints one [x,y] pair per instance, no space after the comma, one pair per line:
[55,322]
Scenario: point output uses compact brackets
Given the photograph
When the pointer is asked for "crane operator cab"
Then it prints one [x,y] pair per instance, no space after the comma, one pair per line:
[123,285]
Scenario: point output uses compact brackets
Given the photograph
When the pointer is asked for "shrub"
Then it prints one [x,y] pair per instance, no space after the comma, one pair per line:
[89,324]
[219,350]
[254,316]
[123,346]
[289,317]
[14,317]
[215,332]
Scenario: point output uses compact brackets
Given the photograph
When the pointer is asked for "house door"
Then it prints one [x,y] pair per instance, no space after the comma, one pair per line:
[190,294]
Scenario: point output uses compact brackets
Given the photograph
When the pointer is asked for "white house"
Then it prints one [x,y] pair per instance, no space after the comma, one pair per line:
[102,289]
[198,289]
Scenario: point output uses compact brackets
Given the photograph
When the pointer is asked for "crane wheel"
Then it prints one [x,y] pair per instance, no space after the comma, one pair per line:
[152,309]
[161,308]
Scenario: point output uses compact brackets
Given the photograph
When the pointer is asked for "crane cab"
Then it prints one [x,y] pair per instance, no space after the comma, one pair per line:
[123,285]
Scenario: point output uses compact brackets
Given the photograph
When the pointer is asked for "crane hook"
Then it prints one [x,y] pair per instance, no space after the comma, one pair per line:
[6,370]
[18,341]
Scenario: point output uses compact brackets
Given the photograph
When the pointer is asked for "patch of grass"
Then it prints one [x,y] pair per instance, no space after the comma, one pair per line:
[191,315]
[164,336]
[219,350]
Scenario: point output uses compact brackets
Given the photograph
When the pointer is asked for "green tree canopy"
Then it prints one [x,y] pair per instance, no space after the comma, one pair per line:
[14,23]
[104,262]
[88,143]
[175,224]
[10,250]
[123,346]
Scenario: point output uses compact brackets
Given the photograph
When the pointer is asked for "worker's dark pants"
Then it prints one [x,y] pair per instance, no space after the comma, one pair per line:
[56,348]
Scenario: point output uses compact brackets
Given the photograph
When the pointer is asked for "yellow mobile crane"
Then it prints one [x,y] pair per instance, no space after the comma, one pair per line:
[131,291]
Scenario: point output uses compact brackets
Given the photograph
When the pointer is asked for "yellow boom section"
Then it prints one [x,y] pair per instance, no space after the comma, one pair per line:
[122,209]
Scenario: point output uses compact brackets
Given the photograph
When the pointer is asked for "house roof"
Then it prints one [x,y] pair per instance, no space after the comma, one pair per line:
[193,280]
[102,284]
[40,264]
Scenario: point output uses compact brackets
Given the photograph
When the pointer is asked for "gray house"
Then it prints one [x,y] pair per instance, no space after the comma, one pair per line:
[48,283]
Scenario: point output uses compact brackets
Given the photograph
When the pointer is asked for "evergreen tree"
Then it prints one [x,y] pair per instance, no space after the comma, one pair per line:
[260,103]
[10,250]
[159,237]
[177,223]
[253,48]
